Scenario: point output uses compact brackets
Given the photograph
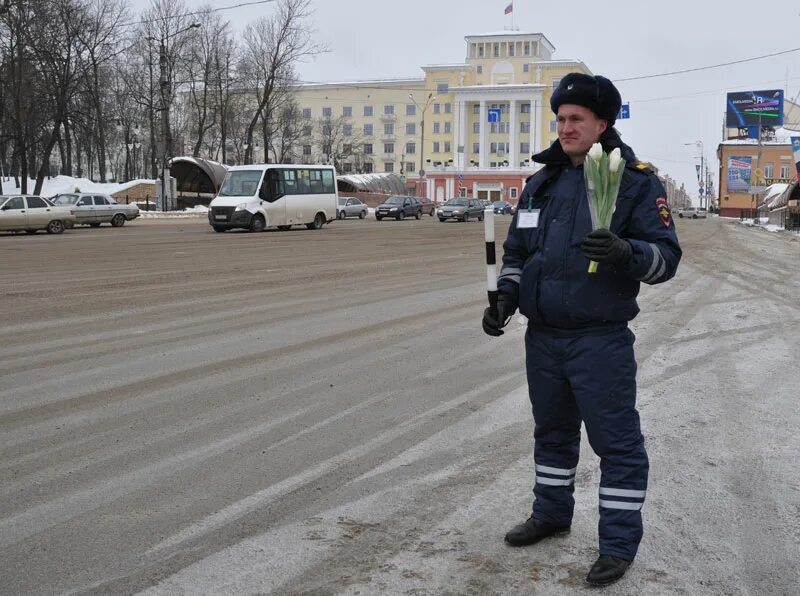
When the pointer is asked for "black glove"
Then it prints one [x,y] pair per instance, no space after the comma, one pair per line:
[604,246]
[495,319]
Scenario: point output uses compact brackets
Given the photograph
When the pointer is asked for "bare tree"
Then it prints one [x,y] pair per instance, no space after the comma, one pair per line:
[272,48]
[99,41]
[288,133]
[338,141]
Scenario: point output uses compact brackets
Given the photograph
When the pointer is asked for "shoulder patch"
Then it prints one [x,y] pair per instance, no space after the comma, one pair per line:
[663,211]
[642,166]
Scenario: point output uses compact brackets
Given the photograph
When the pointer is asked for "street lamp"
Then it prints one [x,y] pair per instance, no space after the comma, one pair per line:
[166,90]
[422,127]
[701,177]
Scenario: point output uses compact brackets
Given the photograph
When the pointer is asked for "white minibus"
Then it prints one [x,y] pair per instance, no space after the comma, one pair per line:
[261,196]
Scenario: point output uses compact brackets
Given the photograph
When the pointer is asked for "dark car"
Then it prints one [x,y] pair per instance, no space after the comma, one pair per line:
[502,207]
[427,206]
[399,208]
[461,209]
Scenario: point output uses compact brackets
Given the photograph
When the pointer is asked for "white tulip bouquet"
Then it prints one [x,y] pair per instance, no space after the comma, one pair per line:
[603,174]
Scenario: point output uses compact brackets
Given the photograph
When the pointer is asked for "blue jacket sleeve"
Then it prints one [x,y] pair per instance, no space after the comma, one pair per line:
[515,253]
[651,234]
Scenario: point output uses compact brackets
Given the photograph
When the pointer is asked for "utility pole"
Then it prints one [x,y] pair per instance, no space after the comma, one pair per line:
[422,131]
[165,132]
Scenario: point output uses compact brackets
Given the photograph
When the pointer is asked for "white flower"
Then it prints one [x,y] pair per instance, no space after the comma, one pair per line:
[596,152]
[614,159]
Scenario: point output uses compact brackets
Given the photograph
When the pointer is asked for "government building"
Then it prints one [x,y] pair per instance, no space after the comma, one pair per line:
[465,129]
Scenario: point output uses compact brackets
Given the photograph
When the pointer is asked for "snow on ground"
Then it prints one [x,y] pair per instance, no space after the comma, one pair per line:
[63,184]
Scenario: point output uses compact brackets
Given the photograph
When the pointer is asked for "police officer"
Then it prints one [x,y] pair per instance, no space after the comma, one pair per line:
[579,350]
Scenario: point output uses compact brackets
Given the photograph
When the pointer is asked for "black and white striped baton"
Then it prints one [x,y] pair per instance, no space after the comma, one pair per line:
[491,262]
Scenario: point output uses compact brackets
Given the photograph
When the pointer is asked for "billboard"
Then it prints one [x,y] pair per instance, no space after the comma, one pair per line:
[796,153]
[755,108]
[739,174]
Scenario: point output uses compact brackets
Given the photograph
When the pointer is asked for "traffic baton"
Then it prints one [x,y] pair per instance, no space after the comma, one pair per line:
[491,262]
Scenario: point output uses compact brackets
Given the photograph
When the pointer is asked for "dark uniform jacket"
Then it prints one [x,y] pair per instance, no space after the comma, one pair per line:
[544,268]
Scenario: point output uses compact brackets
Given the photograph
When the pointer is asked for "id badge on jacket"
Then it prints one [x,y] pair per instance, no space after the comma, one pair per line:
[528,219]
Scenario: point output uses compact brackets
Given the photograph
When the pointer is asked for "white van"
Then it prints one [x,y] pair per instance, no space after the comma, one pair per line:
[279,196]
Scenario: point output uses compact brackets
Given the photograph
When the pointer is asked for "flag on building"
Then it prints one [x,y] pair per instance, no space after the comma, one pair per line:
[510,8]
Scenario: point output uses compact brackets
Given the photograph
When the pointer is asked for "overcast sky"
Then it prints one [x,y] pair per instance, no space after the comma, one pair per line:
[380,39]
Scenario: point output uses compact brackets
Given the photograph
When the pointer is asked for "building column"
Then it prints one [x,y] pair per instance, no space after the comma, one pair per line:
[484,126]
[461,134]
[513,149]
[536,127]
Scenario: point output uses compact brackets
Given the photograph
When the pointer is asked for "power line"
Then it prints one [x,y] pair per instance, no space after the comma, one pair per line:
[197,12]
[684,71]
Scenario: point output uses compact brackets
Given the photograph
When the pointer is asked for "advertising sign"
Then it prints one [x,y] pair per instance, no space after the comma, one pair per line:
[755,108]
[796,153]
[739,173]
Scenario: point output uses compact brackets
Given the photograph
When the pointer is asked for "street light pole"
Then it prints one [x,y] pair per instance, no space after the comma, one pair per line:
[702,175]
[422,131]
[165,84]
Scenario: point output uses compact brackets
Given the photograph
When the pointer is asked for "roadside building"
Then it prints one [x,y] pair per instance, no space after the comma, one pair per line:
[465,129]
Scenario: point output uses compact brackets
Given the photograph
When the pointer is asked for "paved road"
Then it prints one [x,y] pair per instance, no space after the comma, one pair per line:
[318,412]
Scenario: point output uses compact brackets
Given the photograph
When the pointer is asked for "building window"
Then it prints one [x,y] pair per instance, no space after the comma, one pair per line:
[524,126]
[388,110]
[326,112]
[306,131]
[306,112]
[525,108]
[441,88]
[511,48]
[476,108]
[476,147]
[492,148]
[447,108]
[411,148]
[496,50]
[306,149]
[347,111]
[524,148]
[462,192]
[347,167]
[411,128]
[556,83]
[480,51]
[388,128]
[368,110]
[447,128]
[553,126]
[388,166]
[327,130]
[388,147]
[769,170]
[410,167]
[437,108]
[447,147]
[479,69]
[526,67]
[347,130]
[436,147]
[367,148]
[367,167]
[368,130]
[411,110]
[784,172]
[512,192]
[476,127]
[436,128]
[526,49]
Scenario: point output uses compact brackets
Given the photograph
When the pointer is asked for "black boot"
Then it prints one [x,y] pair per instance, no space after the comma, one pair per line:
[532,531]
[607,570]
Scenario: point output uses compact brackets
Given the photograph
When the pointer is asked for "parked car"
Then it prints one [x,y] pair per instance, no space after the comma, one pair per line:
[399,208]
[692,213]
[93,209]
[461,209]
[427,206]
[32,213]
[351,207]
[502,207]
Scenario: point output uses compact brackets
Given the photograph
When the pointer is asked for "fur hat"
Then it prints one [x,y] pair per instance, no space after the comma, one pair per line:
[596,93]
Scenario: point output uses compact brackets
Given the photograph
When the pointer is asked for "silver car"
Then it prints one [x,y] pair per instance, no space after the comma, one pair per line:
[30,213]
[93,209]
[692,213]
[351,207]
